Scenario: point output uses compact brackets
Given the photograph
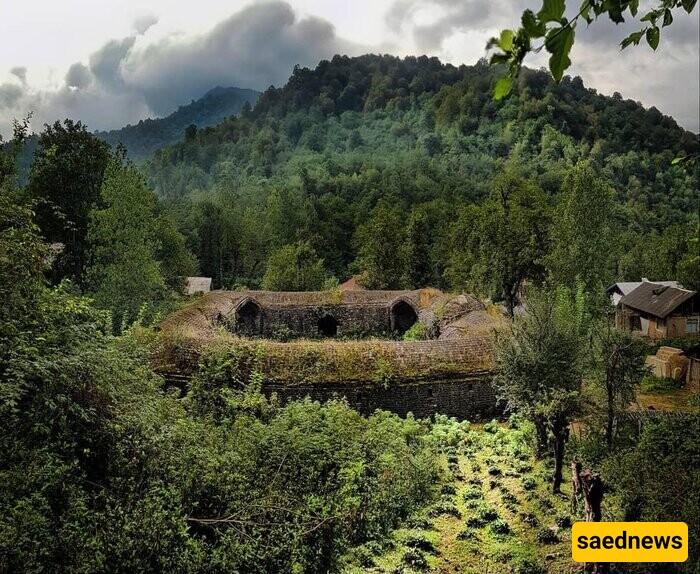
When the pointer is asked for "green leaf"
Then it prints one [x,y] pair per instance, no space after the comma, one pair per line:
[688,5]
[506,40]
[500,59]
[649,17]
[585,10]
[559,42]
[633,38]
[503,87]
[668,18]
[614,9]
[552,11]
[533,27]
[634,7]
[653,37]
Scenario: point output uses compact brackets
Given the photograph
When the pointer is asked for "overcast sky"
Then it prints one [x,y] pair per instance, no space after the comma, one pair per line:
[113,62]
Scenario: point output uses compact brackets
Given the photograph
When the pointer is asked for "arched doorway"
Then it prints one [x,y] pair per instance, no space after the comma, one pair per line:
[249,319]
[403,317]
[327,326]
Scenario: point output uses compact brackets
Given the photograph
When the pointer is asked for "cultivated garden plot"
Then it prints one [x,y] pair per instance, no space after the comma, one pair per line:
[493,513]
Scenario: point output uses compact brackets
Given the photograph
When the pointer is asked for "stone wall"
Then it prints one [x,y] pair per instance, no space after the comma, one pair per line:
[308,321]
[466,399]
[449,374]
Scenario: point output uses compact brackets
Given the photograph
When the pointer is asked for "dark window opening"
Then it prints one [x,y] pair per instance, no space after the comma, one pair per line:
[249,319]
[430,393]
[470,387]
[403,317]
[327,326]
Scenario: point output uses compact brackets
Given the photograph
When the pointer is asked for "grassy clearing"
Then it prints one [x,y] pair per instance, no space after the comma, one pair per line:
[666,395]
[495,513]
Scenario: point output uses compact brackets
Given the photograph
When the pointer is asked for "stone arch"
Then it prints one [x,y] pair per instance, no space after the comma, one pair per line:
[403,316]
[328,326]
[249,317]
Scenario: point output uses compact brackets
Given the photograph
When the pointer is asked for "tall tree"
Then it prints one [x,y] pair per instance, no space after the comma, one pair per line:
[124,273]
[618,370]
[539,367]
[381,253]
[508,238]
[581,234]
[65,181]
[175,259]
[418,260]
[294,268]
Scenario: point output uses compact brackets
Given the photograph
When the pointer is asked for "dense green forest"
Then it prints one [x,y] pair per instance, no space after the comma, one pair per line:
[359,146]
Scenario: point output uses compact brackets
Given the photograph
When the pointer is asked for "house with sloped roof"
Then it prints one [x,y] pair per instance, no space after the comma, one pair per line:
[660,311]
[618,290]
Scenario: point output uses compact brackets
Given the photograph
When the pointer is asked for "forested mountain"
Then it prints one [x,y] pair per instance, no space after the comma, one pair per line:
[142,139]
[402,152]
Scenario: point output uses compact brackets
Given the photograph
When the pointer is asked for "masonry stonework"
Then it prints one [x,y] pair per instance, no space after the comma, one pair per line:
[448,375]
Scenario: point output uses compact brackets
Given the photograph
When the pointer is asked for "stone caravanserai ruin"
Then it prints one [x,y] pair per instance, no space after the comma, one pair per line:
[348,344]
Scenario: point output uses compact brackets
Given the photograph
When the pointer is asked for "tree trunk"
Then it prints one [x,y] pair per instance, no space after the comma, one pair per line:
[559,432]
[541,437]
[576,488]
[590,485]
[610,424]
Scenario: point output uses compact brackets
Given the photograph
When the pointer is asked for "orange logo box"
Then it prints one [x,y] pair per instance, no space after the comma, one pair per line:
[629,542]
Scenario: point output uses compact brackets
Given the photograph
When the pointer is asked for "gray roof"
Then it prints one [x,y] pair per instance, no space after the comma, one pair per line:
[626,287]
[197,285]
[655,299]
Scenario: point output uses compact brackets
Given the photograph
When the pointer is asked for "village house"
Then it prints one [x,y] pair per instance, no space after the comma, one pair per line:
[617,291]
[660,311]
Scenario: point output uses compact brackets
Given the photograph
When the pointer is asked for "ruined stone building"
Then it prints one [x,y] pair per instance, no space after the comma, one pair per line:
[349,344]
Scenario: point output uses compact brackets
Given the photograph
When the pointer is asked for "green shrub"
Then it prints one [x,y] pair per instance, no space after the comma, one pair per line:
[416,333]
[529,566]
[529,483]
[467,534]
[530,519]
[419,542]
[494,471]
[481,516]
[448,489]
[499,527]
[547,536]
[415,559]
[654,384]
[491,427]
[563,521]
[444,507]
[509,498]
[472,493]
[420,523]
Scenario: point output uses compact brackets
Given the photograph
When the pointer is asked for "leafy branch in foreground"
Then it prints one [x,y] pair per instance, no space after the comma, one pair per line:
[558,33]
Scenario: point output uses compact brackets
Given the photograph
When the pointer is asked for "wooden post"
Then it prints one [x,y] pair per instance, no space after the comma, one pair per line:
[590,485]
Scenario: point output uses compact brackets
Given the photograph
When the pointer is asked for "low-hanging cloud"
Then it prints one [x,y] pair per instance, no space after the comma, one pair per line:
[128,79]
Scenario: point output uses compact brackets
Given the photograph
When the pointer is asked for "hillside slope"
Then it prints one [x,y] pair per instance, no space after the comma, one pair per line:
[423,141]
[142,139]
